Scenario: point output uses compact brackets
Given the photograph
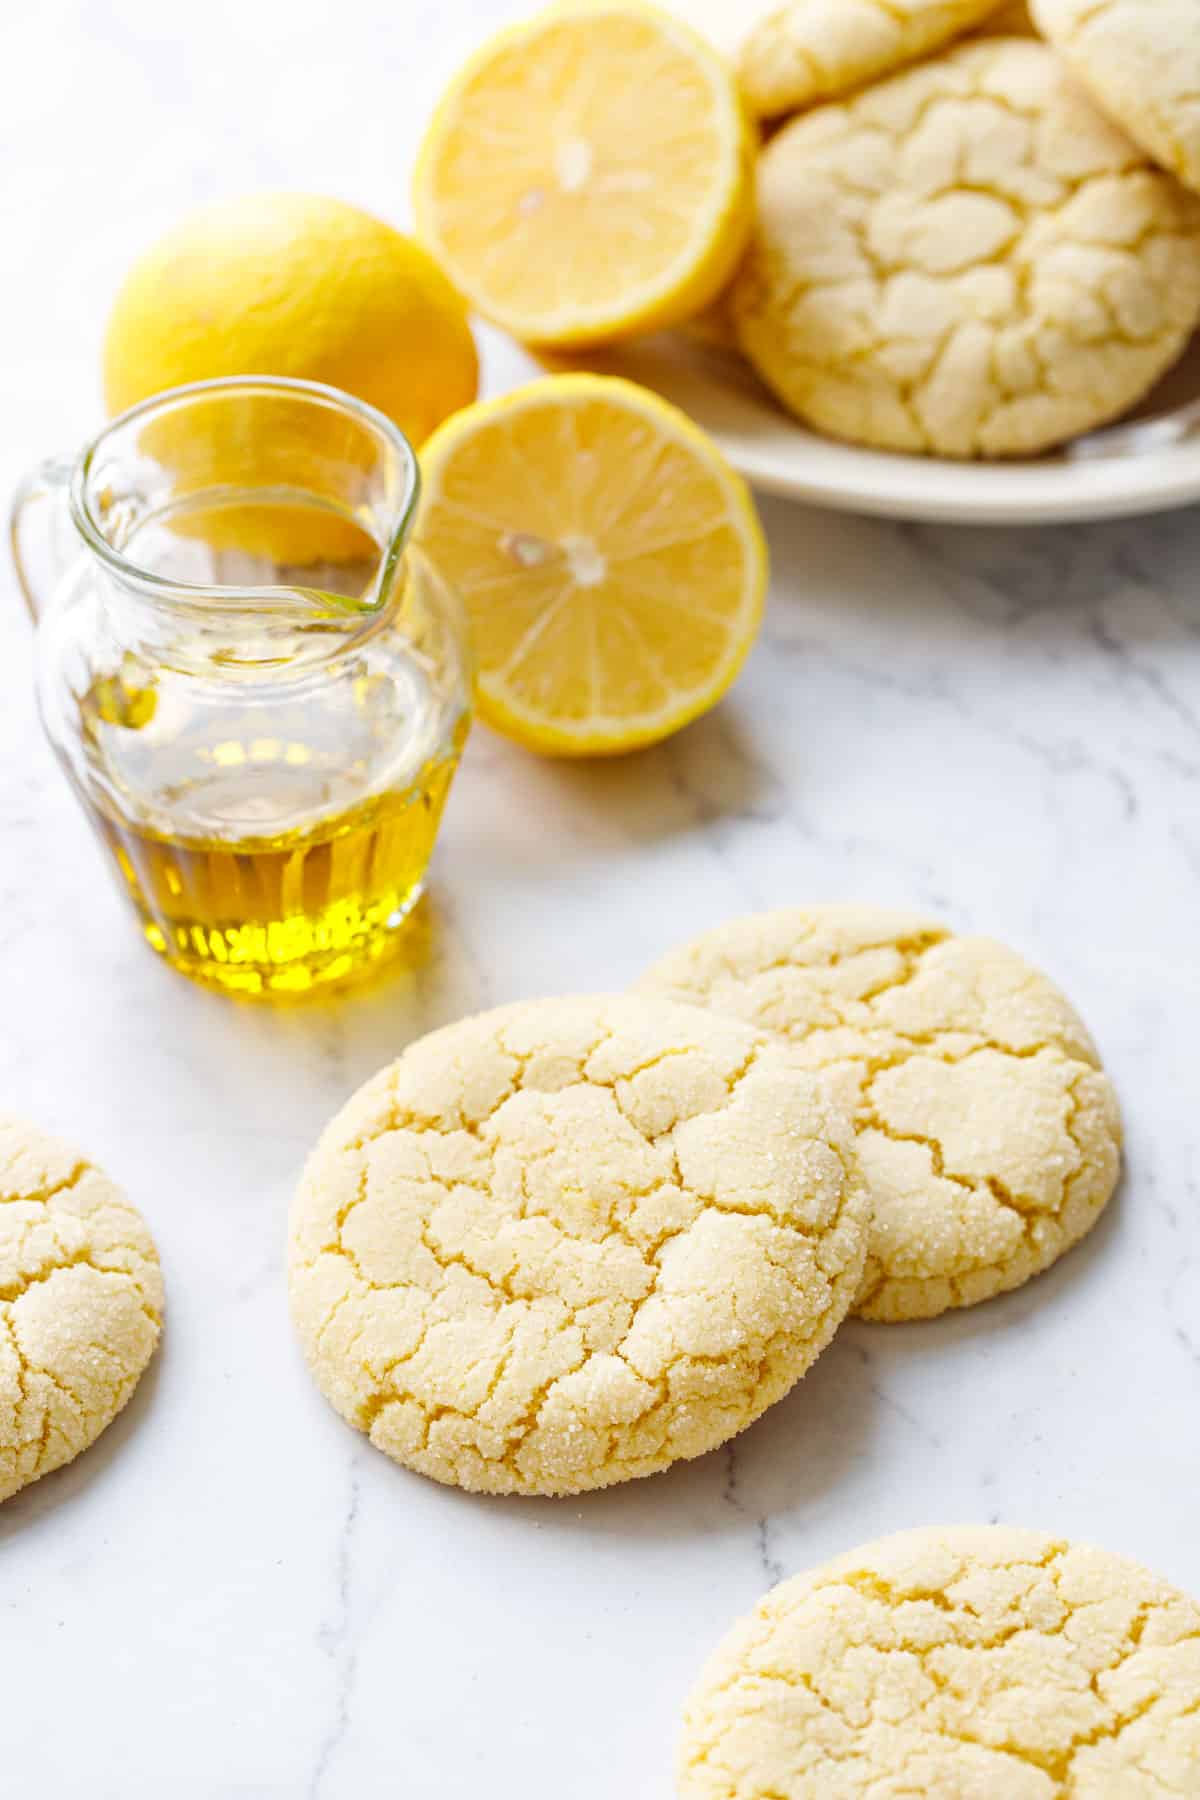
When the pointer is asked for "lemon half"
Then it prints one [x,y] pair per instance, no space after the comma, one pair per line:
[588,175]
[611,561]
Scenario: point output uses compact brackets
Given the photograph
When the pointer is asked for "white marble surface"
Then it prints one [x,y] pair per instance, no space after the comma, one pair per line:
[232,1594]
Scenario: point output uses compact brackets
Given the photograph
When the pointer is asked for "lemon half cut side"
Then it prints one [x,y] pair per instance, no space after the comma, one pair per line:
[588,175]
[611,562]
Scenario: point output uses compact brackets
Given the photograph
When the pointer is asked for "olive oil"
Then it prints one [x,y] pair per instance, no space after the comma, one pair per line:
[268,865]
[284,913]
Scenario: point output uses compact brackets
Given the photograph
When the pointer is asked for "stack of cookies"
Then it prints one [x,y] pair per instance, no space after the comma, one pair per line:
[973,248]
[573,1241]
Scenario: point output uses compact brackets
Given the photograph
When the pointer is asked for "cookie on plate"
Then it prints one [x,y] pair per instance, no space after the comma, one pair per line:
[966,260]
[1141,60]
[571,1241]
[815,50]
[81,1298]
[988,1134]
[981,1661]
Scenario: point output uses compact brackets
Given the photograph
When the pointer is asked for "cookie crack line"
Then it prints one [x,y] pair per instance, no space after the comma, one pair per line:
[1024,1208]
[912,948]
[11,1291]
[943,1046]
[44,1195]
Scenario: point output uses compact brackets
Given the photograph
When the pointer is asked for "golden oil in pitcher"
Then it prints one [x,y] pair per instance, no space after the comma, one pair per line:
[251,863]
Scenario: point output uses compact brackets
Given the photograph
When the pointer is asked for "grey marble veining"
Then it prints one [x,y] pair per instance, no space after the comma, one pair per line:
[231,1594]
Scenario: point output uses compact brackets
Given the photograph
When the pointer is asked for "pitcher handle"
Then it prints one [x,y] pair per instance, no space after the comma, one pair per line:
[49,481]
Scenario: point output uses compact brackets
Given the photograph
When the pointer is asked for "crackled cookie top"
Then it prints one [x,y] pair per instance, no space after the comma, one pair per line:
[80,1303]
[966,260]
[1141,60]
[964,1663]
[987,1132]
[570,1241]
[814,50]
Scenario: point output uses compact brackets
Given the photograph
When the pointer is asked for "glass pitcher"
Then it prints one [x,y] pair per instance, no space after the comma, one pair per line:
[258,689]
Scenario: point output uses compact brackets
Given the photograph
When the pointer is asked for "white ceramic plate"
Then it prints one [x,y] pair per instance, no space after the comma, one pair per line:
[779,456]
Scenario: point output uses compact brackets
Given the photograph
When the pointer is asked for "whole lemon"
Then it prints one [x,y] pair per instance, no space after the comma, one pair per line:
[300,285]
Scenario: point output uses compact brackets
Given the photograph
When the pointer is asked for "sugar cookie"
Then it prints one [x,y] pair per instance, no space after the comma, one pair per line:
[970,1662]
[80,1303]
[1141,60]
[967,260]
[570,1241]
[815,50]
[987,1132]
